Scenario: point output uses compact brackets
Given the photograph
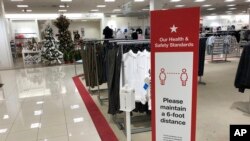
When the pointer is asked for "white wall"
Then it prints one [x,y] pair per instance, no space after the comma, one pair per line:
[125,22]
[6,61]
[91,28]
[24,26]
[226,20]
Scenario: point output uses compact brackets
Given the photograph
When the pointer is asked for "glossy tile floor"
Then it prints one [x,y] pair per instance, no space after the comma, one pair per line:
[43,104]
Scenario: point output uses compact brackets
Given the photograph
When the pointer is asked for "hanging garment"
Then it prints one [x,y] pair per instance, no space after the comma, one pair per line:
[242,80]
[202,50]
[114,59]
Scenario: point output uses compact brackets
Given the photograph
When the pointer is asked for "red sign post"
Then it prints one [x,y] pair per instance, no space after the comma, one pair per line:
[175,45]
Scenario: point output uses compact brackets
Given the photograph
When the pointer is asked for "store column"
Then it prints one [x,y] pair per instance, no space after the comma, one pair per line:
[6,61]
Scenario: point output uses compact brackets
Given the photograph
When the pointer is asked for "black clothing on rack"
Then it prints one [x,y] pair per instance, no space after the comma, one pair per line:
[202,50]
[114,59]
[242,80]
[134,36]
[139,30]
[108,33]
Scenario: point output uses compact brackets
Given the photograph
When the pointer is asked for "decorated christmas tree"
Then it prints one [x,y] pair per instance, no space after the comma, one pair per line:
[66,44]
[50,52]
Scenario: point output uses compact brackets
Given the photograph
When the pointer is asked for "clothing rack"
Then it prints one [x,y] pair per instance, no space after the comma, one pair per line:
[100,99]
[219,48]
[127,117]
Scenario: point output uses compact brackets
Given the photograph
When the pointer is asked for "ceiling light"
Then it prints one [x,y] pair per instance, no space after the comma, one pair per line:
[244,11]
[27,10]
[247,1]
[231,5]
[210,9]
[117,10]
[66,0]
[175,0]
[199,0]
[229,0]
[213,14]
[62,10]
[139,0]
[109,0]
[145,9]
[206,5]
[233,8]
[22,6]
[179,5]
[94,10]
[101,6]
[228,11]
[63,6]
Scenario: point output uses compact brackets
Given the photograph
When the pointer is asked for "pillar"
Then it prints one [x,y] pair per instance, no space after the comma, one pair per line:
[6,60]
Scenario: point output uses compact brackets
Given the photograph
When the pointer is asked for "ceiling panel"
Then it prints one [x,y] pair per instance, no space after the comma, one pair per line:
[83,6]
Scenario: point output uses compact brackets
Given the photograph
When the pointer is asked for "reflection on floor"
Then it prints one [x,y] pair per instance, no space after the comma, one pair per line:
[42,104]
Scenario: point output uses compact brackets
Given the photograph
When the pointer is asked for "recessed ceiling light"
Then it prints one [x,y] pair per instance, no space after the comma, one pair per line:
[101,6]
[109,0]
[229,0]
[175,0]
[66,0]
[206,5]
[94,10]
[22,6]
[39,102]
[199,0]
[210,9]
[62,10]
[139,0]
[27,10]
[145,9]
[233,8]
[63,6]
[179,5]
[117,10]
[77,120]
[231,5]
[76,106]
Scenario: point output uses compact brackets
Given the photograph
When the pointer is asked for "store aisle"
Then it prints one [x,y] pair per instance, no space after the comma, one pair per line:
[43,104]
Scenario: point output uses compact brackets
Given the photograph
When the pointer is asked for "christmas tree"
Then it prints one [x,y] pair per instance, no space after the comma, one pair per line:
[50,52]
[66,44]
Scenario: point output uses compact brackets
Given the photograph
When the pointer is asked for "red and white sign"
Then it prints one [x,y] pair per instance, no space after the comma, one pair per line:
[175,45]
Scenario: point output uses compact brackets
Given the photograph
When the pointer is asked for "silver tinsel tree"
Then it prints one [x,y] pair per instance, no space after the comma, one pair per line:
[50,51]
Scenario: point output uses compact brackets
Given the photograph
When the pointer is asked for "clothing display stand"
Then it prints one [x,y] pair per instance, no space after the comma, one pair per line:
[100,99]
[127,116]
[218,49]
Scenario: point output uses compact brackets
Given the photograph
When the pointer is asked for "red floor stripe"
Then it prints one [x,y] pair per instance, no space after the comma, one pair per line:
[102,126]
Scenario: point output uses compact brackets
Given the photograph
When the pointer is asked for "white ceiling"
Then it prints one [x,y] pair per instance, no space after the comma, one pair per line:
[83,6]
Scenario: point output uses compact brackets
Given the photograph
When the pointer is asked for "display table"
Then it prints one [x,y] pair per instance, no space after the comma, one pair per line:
[31,57]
